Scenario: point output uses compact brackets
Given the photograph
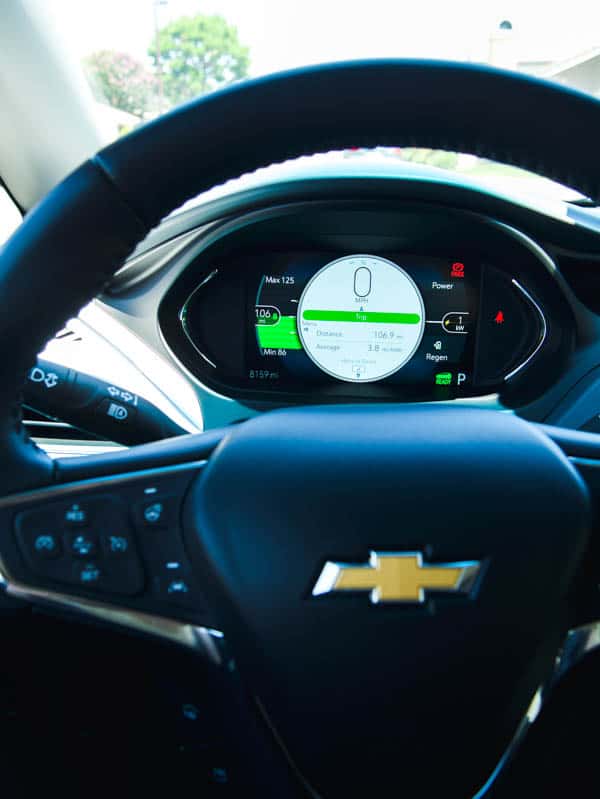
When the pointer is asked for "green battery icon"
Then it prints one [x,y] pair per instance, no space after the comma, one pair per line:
[443,379]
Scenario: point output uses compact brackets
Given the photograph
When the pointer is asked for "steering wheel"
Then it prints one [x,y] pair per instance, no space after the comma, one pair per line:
[395,583]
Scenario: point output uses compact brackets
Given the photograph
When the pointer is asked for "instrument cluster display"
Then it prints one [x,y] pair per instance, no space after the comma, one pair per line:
[358,318]
[363,318]
[323,303]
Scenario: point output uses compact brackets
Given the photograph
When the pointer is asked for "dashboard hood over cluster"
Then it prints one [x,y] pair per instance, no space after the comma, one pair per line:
[386,164]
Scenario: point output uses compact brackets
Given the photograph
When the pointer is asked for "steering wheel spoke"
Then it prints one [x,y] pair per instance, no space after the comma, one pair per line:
[111,546]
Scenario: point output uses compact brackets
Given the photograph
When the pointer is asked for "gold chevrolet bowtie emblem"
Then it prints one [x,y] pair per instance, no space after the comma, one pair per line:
[397,577]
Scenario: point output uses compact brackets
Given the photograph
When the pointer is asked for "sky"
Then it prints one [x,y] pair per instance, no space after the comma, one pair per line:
[287,33]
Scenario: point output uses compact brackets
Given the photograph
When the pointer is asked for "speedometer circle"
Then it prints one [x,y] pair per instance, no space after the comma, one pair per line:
[361,318]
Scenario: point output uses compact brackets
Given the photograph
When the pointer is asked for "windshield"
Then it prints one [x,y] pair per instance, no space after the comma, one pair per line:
[142,57]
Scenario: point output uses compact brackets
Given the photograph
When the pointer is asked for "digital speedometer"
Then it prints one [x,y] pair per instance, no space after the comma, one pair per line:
[361,318]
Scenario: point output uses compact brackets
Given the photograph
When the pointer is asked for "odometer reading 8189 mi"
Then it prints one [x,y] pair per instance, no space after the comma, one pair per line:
[361,318]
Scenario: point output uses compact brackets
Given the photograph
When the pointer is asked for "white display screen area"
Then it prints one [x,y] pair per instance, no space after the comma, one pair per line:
[361,318]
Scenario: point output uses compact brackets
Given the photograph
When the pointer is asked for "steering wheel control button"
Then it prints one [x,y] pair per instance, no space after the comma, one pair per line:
[39,538]
[117,546]
[177,590]
[124,578]
[167,563]
[76,515]
[81,545]
[154,513]
[46,546]
[87,574]
[159,512]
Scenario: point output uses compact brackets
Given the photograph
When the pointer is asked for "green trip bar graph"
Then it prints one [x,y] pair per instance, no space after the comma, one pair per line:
[381,317]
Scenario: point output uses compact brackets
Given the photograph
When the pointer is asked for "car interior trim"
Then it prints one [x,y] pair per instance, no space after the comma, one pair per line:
[543,331]
[147,262]
[62,490]
[182,317]
[200,639]
[513,746]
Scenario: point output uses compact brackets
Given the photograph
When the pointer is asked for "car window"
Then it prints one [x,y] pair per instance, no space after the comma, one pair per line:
[143,57]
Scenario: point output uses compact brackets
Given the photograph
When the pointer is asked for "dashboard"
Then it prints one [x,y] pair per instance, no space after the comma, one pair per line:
[359,302]
[324,285]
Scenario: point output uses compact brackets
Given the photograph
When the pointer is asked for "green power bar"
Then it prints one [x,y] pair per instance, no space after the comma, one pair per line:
[283,335]
[362,316]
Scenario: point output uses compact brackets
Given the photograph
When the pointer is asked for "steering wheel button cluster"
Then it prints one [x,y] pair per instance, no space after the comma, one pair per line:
[126,543]
[56,552]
